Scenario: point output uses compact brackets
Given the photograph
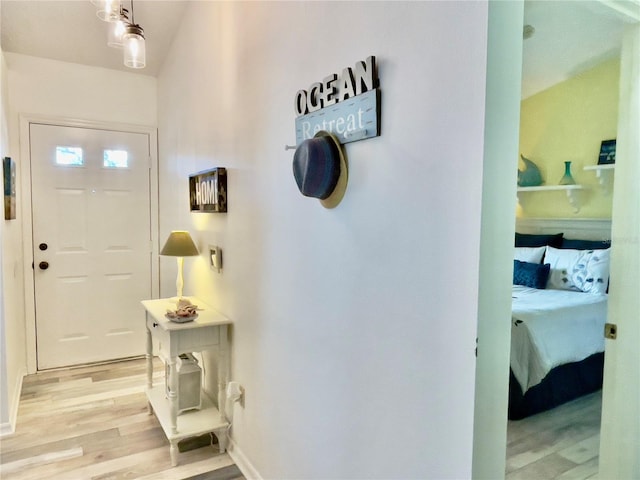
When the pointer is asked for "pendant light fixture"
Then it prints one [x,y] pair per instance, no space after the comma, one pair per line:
[123,33]
[134,44]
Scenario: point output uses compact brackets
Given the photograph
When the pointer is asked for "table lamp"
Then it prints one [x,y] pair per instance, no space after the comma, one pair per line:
[179,245]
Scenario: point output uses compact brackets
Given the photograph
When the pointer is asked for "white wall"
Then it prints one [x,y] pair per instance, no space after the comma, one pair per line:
[49,88]
[61,89]
[5,381]
[12,338]
[355,328]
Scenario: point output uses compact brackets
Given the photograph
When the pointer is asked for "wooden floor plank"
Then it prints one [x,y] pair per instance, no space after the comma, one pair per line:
[583,471]
[41,459]
[228,473]
[583,451]
[549,467]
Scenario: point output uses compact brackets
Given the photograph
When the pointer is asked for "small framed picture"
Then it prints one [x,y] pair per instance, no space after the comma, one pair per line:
[607,152]
[9,177]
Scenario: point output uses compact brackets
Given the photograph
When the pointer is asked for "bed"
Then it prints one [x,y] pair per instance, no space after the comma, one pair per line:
[559,309]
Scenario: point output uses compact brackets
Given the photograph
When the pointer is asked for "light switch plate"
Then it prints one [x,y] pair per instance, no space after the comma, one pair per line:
[215,257]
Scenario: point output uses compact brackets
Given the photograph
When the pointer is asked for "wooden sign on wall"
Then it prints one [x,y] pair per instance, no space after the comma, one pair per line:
[345,105]
[208,191]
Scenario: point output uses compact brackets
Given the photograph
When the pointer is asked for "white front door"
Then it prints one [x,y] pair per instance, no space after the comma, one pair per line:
[92,242]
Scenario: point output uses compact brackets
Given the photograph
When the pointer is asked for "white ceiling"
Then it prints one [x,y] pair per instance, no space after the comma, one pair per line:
[570,36]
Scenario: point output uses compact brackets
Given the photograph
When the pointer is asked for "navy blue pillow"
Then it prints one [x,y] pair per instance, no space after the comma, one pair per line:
[532,240]
[532,275]
[585,244]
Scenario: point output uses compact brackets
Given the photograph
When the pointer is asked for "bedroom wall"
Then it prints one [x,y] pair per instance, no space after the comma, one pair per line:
[568,122]
[354,328]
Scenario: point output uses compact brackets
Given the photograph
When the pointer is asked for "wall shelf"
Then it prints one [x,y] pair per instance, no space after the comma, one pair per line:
[604,174]
[572,192]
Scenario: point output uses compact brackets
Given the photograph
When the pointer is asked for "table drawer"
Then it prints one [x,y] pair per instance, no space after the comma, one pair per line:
[195,340]
[173,342]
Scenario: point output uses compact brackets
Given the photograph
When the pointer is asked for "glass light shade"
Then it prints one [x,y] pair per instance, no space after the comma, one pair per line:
[115,32]
[108,10]
[134,47]
[179,244]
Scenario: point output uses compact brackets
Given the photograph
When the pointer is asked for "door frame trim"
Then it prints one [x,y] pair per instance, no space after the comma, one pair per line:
[27,234]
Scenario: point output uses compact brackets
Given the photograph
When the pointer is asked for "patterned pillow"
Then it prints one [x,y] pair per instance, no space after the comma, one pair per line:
[531,275]
[579,270]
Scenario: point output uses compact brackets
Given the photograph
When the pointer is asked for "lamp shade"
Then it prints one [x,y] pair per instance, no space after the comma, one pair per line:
[179,244]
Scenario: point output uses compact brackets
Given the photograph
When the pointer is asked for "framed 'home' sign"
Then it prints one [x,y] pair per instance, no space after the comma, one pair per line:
[208,191]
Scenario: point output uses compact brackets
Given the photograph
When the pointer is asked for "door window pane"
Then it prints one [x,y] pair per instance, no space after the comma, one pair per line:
[69,156]
[116,159]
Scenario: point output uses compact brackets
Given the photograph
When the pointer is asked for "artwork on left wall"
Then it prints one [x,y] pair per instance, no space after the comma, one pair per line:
[9,176]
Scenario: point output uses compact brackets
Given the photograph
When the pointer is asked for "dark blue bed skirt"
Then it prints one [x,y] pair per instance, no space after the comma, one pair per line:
[562,384]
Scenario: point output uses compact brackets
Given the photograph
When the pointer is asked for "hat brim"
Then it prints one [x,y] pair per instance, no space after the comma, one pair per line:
[334,199]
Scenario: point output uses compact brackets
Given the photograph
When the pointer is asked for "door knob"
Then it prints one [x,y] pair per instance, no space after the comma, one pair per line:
[43,265]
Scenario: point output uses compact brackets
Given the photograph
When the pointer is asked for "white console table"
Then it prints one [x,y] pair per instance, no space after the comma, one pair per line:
[207,332]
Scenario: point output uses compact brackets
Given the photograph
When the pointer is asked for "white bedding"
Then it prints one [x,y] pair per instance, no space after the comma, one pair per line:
[551,328]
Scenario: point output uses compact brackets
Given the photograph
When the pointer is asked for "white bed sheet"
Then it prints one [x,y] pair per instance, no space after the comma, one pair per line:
[551,328]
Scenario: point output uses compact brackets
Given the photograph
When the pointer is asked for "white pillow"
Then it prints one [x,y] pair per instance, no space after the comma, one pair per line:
[579,270]
[529,254]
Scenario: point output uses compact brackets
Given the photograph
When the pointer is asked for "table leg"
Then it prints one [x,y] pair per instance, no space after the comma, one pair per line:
[223,372]
[149,358]
[221,435]
[173,452]
[173,394]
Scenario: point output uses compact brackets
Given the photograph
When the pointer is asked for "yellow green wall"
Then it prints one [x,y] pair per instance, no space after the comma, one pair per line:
[567,122]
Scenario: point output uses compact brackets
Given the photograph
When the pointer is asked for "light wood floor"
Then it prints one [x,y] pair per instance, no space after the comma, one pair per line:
[92,423]
[562,443]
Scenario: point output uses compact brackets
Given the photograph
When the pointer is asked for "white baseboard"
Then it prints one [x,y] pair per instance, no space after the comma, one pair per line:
[9,428]
[6,429]
[243,463]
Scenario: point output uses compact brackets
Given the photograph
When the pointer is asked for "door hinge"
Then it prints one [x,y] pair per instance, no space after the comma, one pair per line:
[610,331]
